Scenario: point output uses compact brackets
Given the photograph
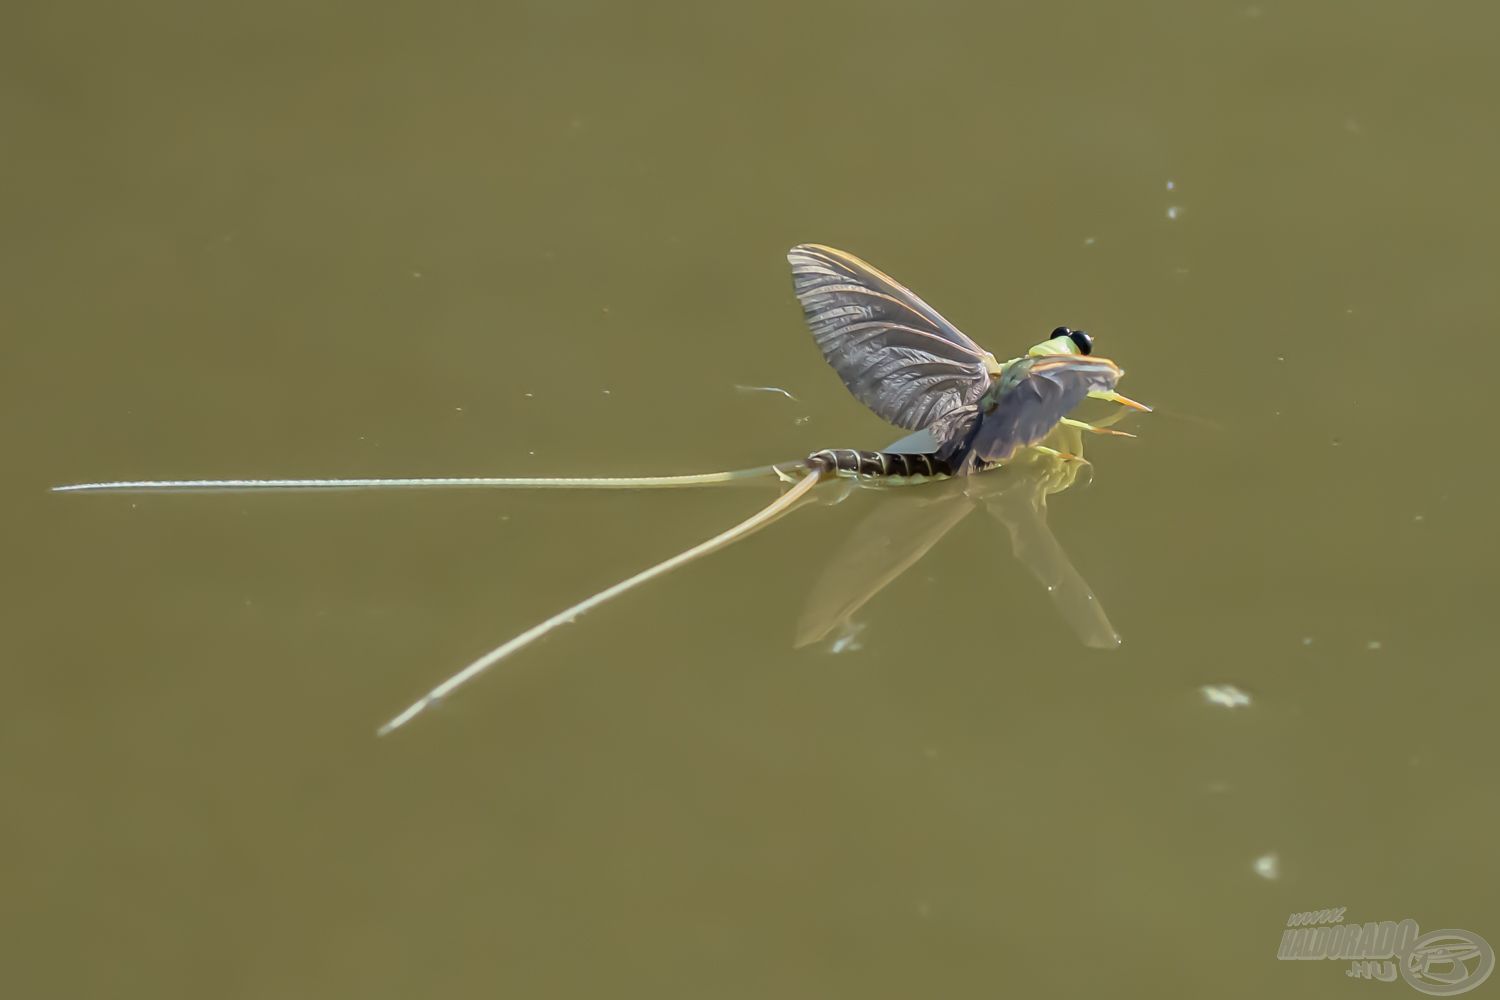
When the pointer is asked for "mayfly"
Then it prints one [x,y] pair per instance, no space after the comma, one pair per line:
[968,412]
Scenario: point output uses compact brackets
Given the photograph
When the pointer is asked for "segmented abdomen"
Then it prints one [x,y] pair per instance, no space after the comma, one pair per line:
[876,464]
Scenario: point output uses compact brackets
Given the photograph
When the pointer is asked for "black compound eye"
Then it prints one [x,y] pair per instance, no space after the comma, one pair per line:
[1061,331]
[1084,341]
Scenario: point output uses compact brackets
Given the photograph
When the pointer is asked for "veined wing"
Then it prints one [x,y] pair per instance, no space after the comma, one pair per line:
[1034,395]
[894,352]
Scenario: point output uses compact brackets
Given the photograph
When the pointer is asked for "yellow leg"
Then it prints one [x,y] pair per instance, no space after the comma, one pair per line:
[1042,449]
[1100,427]
[1111,396]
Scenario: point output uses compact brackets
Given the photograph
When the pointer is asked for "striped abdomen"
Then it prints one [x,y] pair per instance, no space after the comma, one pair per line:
[888,466]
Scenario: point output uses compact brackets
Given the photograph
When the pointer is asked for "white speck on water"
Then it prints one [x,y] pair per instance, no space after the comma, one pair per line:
[799,421]
[1217,787]
[766,388]
[1373,644]
[531,453]
[527,395]
[1171,185]
[416,274]
[848,640]
[458,409]
[1281,357]
[1224,694]
[1419,517]
[1173,211]
[1307,640]
[1268,866]
[1089,241]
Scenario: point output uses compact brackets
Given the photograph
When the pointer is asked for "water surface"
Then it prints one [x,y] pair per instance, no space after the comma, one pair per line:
[541,239]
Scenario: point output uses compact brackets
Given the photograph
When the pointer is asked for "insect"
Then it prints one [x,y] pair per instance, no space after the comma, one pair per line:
[968,412]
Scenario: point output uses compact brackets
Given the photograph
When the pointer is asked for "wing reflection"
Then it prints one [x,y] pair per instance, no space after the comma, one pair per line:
[883,546]
[909,522]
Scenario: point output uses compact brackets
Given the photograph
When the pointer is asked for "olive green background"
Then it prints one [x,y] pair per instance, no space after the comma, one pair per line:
[547,238]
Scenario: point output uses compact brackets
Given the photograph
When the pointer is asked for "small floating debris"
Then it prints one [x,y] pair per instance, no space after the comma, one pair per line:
[1224,694]
[1268,866]
[847,640]
[766,388]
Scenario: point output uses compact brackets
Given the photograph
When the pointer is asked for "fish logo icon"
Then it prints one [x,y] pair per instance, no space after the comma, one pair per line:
[1447,962]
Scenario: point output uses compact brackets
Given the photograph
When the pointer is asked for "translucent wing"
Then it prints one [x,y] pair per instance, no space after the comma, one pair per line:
[894,352]
[1033,395]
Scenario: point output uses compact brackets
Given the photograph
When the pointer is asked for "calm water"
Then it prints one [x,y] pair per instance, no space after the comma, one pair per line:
[548,238]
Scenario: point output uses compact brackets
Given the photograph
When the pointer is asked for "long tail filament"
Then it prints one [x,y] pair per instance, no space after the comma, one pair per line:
[742,530]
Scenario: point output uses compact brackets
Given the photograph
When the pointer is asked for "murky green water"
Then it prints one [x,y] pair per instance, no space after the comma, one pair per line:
[542,239]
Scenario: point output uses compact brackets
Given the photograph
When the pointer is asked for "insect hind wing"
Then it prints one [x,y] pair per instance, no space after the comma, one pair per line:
[1029,411]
